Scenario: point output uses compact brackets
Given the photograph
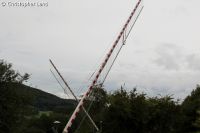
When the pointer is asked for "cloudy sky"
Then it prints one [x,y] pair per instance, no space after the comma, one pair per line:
[161,56]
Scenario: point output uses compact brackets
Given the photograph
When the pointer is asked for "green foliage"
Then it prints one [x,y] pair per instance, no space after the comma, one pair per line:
[130,112]
[197,121]
[28,110]
[43,123]
[43,101]
[133,112]
[98,100]
[7,74]
[191,107]
[12,106]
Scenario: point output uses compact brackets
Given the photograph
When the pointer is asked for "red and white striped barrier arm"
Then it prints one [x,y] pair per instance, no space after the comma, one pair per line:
[80,105]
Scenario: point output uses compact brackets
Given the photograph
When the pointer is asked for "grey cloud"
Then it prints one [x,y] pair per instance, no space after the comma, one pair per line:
[75,33]
[193,62]
[25,52]
[127,66]
[179,11]
[169,56]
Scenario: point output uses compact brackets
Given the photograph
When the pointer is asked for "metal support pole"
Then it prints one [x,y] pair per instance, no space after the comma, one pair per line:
[74,95]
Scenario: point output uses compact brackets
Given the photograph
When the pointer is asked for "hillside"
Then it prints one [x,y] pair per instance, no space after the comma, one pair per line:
[43,101]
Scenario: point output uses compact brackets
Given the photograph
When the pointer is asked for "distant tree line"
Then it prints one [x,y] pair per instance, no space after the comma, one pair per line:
[133,112]
[119,112]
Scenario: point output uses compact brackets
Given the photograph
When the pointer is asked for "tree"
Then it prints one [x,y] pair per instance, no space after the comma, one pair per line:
[11,105]
[191,107]
[7,74]
[131,112]
[117,117]
[95,106]
[164,115]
